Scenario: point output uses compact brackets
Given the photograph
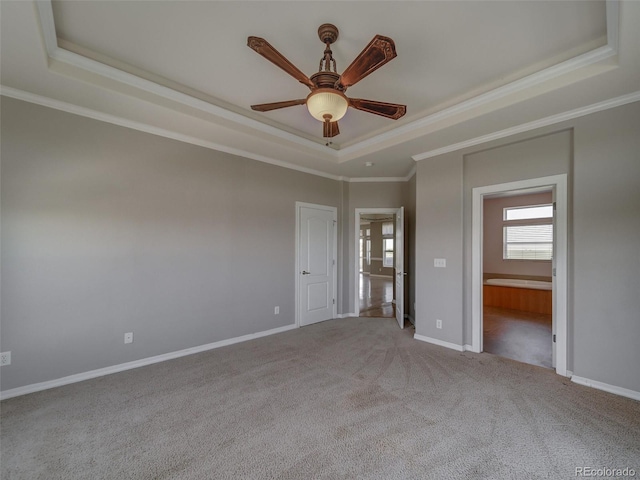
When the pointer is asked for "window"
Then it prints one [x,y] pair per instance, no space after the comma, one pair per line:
[387,244]
[365,247]
[528,233]
[387,229]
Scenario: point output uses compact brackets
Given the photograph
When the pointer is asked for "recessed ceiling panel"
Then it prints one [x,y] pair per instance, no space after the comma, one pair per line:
[447,51]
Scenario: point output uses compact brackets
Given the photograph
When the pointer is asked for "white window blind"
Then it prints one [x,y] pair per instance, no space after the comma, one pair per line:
[528,242]
[528,232]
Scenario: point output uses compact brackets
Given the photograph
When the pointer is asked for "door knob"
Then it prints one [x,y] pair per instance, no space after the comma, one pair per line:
[304,272]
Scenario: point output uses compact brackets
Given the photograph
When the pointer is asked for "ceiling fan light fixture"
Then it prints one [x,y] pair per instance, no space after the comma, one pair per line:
[327,103]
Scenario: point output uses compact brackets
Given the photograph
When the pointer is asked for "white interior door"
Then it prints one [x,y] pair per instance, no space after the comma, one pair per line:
[316,264]
[399,264]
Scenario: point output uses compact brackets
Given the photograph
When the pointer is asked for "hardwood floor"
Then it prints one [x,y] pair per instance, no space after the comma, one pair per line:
[521,336]
[376,297]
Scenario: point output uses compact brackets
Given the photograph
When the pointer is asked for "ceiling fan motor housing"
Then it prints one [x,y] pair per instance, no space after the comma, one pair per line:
[325,79]
[328,33]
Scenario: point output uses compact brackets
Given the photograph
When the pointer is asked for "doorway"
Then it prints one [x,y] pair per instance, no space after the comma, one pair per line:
[376,276]
[517,253]
[558,185]
[379,268]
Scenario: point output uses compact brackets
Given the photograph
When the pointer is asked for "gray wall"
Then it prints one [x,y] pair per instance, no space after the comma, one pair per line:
[606,247]
[443,209]
[601,154]
[107,230]
[493,238]
[439,292]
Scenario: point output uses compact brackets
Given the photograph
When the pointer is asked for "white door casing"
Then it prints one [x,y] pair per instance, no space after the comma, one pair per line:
[398,255]
[316,269]
[554,291]
[560,255]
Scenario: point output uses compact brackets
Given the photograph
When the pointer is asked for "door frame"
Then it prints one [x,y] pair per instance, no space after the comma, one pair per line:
[334,211]
[356,265]
[559,185]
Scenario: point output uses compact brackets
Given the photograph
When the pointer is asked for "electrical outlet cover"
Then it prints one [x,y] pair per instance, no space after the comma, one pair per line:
[5,358]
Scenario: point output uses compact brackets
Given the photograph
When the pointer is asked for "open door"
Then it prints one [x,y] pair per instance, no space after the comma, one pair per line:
[399,264]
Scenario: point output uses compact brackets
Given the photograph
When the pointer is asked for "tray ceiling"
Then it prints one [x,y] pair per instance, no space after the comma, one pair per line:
[458,62]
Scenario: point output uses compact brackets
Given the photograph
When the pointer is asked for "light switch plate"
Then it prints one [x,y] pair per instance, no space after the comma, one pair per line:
[440,262]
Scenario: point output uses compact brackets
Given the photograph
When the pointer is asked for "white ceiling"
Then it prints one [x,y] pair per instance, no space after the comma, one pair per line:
[182,69]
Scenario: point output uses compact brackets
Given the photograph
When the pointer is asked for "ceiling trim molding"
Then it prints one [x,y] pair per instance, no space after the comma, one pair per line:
[45,13]
[525,127]
[161,132]
[143,127]
[575,63]
[376,179]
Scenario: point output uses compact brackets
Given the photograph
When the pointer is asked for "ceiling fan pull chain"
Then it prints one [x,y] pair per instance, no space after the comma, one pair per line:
[327,130]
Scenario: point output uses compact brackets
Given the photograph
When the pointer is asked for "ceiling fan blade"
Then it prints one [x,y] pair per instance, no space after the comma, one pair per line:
[261,46]
[330,129]
[266,107]
[389,110]
[379,51]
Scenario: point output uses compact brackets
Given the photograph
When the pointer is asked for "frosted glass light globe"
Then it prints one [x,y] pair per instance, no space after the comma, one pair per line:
[327,101]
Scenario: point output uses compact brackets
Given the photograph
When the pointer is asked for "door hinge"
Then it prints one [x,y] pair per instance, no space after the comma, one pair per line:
[554,338]
[334,301]
[334,262]
[554,206]
[553,271]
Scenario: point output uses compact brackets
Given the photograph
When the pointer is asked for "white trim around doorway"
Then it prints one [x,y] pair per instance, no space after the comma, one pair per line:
[559,184]
[356,265]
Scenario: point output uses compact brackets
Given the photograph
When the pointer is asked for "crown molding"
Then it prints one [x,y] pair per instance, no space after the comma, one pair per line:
[143,127]
[376,179]
[525,127]
[45,13]
[575,63]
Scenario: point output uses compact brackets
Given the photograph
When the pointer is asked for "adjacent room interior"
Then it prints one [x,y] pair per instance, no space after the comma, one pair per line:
[376,262]
[238,241]
[517,276]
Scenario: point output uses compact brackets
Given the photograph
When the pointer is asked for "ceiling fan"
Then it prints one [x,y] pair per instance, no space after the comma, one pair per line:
[327,101]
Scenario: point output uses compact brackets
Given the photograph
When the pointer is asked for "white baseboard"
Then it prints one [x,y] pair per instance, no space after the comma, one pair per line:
[347,315]
[442,343]
[380,276]
[468,348]
[624,392]
[79,377]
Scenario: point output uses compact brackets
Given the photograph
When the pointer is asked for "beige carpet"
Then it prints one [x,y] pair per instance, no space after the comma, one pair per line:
[354,398]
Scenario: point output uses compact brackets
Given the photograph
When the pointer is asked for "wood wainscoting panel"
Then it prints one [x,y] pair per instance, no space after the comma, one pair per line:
[523,299]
